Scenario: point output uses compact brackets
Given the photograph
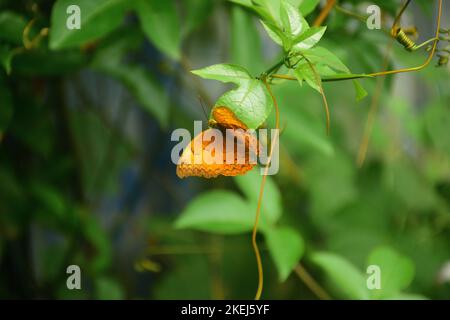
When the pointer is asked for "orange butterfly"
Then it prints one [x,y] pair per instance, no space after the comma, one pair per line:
[206,150]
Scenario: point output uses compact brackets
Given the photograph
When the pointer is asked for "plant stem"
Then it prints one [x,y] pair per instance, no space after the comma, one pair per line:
[273,69]
[311,283]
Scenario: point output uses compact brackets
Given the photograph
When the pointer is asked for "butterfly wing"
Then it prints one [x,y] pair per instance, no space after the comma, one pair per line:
[199,157]
[225,118]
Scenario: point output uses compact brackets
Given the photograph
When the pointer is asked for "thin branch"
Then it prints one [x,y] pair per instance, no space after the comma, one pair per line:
[325,12]
[311,283]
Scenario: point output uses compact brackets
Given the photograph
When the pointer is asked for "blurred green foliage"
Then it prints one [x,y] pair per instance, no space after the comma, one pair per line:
[86,177]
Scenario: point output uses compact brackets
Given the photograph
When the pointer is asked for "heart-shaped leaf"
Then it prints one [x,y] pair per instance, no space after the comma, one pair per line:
[286,247]
[221,212]
[250,101]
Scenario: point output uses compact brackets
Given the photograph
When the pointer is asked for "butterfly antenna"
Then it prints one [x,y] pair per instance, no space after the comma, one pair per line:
[202,103]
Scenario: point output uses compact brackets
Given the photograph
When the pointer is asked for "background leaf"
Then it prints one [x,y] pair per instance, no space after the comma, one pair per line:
[271,205]
[98,18]
[286,247]
[342,274]
[160,22]
[397,271]
[221,212]
[250,102]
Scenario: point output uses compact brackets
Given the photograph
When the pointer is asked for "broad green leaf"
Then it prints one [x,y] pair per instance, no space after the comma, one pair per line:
[271,205]
[160,22]
[11,27]
[308,6]
[397,271]
[342,274]
[286,247]
[309,38]
[250,101]
[245,41]
[221,212]
[98,18]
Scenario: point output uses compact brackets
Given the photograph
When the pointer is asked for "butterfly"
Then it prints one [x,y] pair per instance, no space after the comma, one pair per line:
[205,150]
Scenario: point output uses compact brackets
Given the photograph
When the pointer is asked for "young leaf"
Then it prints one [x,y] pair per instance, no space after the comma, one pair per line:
[224,73]
[286,247]
[250,101]
[308,6]
[11,27]
[98,17]
[274,33]
[271,206]
[292,22]
[304,72]
[322,57]
[309,38]
[397,271]
[342,274]
[219,211]
[160,22]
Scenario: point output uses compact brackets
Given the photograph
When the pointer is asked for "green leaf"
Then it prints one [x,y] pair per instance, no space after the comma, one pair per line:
[6,55]
[224,73]
[342,274]
[286,247]
[144,88]
[160,22]
[274,33]
[98,18]
[308,6]
[250,102]
[309,38]
[292,21]
[11,27]
[108,289]
[309,73]
[221,212]
[245,41]
[109,59]
[99,241]
[361,93]
[397,271]
[271,205]
[196,12]
[408,296]
[320,57]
